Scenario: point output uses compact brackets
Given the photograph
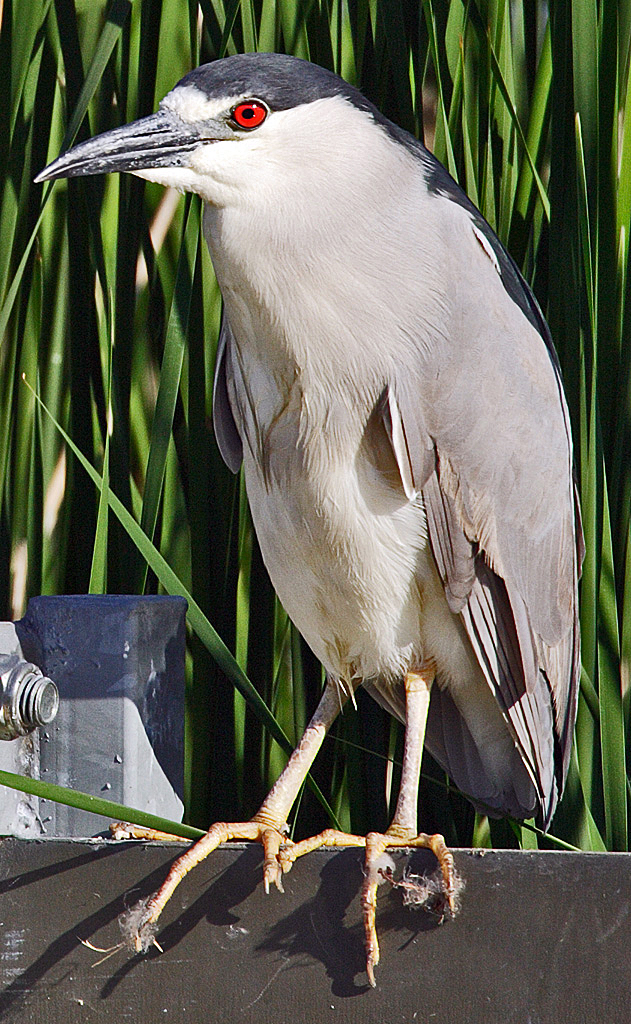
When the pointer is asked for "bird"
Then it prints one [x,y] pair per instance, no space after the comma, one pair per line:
[387,383]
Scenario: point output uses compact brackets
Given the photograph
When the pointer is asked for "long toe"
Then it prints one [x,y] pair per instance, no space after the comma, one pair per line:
[376,869]
[376,845]
[290,852]
[139,924]
[272,840]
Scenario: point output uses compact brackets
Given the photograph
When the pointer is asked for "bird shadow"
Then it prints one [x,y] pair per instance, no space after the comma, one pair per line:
[317,928]
[229,887]
[18,991]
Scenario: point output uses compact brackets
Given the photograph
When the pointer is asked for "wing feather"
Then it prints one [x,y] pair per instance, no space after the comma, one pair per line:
[503,524]
[226,432]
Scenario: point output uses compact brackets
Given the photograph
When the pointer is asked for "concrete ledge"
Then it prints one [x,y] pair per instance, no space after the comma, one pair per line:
[543,938]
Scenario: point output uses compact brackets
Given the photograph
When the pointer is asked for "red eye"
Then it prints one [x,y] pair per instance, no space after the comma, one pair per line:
[249,114]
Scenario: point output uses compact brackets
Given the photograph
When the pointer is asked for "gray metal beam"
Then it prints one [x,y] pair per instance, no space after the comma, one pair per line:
[542,938]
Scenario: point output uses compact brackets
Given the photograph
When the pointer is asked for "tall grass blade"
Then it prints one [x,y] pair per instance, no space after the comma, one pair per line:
[96,805]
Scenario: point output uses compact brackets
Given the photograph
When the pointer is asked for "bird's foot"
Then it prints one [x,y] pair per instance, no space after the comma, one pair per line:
[376,870]
[139,924]
[442,894]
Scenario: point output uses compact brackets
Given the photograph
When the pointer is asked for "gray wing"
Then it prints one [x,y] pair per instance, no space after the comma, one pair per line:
[501,513]
[226,432]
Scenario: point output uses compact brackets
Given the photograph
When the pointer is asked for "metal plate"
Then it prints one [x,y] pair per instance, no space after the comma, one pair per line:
[542,938]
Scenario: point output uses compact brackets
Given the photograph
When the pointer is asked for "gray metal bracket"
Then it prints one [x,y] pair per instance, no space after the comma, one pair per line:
[118,664]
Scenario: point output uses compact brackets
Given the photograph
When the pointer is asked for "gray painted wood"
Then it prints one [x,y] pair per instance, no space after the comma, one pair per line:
[542,938]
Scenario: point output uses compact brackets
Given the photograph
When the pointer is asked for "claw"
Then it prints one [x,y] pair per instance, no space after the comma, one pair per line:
[140,924]
[285,857]
[138,927]
[377,843]
[272,840]
[272,876]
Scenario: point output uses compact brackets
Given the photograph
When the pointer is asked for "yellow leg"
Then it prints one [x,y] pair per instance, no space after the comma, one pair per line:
[376,845]
[268,826]
[403,830]
[127,830]
[142,921]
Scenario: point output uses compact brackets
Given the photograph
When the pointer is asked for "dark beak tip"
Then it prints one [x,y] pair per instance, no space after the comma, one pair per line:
[153,141]
[52,172]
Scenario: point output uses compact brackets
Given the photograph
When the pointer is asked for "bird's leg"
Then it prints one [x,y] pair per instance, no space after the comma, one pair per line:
[275,808]
[403,829]
[268,825]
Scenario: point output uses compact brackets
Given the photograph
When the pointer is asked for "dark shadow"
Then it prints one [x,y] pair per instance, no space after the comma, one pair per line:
[228,888]
[317,928]
[58,868]
[19,990]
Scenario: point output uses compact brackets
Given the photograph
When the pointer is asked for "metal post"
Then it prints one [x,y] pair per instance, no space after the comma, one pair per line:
[118,664]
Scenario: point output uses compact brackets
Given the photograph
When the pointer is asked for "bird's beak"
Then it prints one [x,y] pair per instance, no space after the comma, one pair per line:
[160,140]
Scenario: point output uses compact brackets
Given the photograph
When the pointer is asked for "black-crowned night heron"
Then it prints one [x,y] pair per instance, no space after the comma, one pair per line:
[388,382]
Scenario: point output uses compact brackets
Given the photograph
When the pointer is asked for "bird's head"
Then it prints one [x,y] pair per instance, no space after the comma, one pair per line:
[236,125]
